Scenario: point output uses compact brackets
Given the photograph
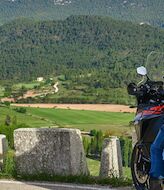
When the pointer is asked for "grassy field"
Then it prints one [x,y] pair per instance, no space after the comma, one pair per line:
[85,120]
[30,85]
[116,123]
[94,168]
[22,118]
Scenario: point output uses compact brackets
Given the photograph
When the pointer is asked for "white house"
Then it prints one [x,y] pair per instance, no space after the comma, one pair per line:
[40,79]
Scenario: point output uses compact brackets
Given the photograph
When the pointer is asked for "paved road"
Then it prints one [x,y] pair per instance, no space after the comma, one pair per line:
[16,185]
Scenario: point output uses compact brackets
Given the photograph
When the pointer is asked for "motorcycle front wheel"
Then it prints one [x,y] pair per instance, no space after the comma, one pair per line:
[140,167]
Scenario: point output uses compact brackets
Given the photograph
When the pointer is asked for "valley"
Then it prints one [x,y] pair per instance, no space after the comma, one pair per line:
[66,64]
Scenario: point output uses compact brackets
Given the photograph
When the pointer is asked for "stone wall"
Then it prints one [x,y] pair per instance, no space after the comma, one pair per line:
[50,151]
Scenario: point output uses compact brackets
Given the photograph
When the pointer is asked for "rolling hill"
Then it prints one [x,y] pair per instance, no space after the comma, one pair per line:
[140,11]
[78,48]
[90,55]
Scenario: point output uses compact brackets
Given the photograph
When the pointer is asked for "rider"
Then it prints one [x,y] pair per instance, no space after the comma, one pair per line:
[157,158]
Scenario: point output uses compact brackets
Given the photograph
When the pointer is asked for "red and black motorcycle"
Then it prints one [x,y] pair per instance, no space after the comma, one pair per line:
[148,121]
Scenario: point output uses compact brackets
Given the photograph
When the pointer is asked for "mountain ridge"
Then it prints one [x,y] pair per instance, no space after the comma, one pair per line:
[145,11]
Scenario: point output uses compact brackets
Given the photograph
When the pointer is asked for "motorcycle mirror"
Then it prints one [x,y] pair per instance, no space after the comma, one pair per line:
[142,71]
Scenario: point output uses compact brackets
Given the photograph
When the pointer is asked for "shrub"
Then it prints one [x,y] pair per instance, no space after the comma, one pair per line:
[86,144]
[126,148]
[7,120]
[9,131]
[9,164]
[20,110]
[6,103]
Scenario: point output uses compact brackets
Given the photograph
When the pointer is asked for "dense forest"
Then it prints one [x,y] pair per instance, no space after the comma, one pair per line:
[78,48]
[148,11]
[90,54]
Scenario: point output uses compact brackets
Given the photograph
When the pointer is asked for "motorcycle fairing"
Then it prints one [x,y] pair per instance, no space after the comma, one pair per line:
[148,121]
[149,112]
[151,128]
[154,110]
[147,130]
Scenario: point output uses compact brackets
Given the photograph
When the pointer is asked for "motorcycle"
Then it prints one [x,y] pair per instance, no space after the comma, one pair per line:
[148,121]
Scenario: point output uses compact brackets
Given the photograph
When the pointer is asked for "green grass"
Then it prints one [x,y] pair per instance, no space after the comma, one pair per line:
[94,168]
[127,173]
[22,118]
[29,85]
[116,123]
[86,120]
[9,166]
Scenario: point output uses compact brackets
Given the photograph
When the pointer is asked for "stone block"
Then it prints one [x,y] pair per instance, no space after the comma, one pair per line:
[134,138]
[3,149]
[111,158]
[50,151]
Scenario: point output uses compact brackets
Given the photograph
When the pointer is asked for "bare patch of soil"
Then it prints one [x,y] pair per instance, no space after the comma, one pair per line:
[93,107]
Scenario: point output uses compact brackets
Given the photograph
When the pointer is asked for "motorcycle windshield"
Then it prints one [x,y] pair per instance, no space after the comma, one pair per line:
[155,66]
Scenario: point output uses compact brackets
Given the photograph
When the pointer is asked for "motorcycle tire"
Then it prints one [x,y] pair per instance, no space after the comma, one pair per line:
[140,179]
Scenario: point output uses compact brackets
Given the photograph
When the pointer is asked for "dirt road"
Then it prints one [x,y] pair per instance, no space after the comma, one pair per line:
[93,107]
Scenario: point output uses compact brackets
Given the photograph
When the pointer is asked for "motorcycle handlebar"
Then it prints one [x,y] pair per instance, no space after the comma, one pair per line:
[151,87]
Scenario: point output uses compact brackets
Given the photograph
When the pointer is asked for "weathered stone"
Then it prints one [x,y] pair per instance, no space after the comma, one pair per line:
[134,138]
[3,149]
[111,159]
[49,151]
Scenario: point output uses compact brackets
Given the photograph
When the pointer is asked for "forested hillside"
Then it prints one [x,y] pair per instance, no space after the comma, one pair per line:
[147,11]
[86,49]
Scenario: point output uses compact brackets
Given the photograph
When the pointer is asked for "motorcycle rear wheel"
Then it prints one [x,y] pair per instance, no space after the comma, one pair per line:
[140,169]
